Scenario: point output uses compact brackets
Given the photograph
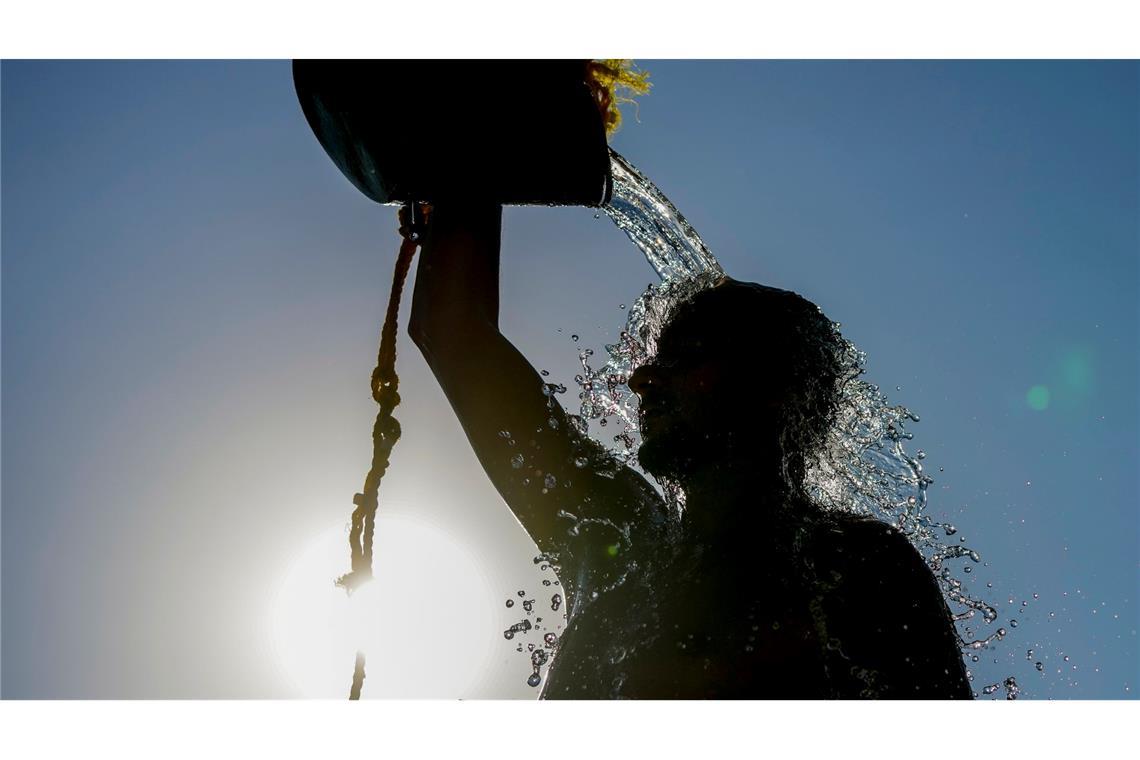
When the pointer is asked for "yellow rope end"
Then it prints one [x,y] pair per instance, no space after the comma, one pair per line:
[609,79]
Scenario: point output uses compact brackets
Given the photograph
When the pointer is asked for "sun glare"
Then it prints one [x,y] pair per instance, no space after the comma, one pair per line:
[424,623]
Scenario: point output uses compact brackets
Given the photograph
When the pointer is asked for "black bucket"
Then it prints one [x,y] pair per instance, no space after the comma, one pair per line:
[511,132]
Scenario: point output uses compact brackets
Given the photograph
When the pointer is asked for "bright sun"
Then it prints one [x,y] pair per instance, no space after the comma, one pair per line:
[424,623]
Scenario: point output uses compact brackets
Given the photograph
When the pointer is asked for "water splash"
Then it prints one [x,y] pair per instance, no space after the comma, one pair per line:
[534,635]
[685,266]
[863,467]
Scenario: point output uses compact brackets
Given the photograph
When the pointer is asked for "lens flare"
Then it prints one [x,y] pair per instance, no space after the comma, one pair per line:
[1038,398]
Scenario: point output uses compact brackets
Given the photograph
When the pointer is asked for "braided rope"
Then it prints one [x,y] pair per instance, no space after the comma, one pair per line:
[386,429]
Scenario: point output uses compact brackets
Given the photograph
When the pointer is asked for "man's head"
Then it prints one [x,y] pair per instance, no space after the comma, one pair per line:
[743,375]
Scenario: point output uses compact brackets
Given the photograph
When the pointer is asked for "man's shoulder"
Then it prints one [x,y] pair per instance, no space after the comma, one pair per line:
[843,527]
[879,588]
[864,546]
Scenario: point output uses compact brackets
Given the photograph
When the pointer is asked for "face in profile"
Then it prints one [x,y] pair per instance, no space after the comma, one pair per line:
[678,394]
[704,394]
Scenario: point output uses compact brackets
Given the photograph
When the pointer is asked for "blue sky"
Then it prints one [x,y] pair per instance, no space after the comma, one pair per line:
[192,295]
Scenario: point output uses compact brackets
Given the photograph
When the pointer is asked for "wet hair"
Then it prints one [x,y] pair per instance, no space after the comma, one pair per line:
[792,343]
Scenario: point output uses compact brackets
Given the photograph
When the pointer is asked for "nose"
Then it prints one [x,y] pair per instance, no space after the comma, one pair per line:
[643,378]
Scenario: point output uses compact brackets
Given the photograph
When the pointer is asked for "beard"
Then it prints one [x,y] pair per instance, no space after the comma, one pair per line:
[673,451]
[660,460]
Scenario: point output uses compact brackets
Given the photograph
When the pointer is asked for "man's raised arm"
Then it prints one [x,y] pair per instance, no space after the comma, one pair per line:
[540,464]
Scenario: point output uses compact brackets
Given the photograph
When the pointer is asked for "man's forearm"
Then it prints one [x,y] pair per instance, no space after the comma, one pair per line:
[457,282]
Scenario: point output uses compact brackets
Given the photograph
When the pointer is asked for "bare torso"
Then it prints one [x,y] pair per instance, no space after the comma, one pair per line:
[760,624]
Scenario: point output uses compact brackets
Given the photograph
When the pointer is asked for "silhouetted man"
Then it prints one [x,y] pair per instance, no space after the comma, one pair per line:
[754,592]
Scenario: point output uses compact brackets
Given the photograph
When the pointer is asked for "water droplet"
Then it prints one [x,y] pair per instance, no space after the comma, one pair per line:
[534,680]
[510,603]
[1013,623]
[1040,666]
[949,529]
[522,625]
[581,462]
[517,461]
[528,605]
[522,593]
[574,338]
[549,481]
[555,602]
[550,639]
